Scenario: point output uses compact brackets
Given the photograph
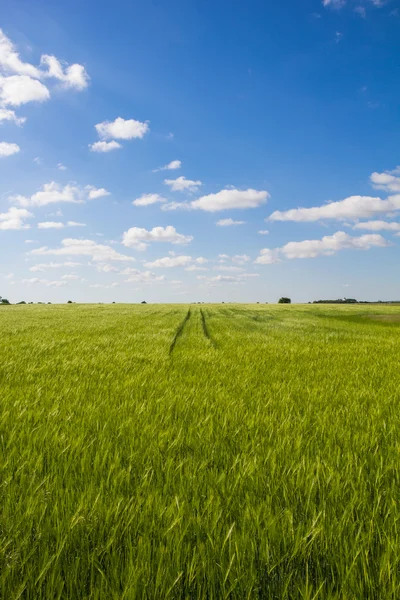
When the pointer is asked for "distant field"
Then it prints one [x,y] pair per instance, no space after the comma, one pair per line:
[229,452]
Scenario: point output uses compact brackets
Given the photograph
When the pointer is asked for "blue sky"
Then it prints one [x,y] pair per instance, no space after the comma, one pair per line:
[145,145]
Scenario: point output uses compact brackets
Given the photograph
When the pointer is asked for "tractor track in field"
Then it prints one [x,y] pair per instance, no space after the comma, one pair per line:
[179,331]
[205,329]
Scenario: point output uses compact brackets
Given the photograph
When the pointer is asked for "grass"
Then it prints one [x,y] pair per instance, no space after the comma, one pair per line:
[229,452]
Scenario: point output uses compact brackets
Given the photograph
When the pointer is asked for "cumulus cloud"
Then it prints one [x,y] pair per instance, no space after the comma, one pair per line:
[229,222]
[238,259]
[354,207]
[104,146]
[147,199]
[122,129]
[73,76]
[178,261]
[61,167]
[139,238]
[51,193]
[50,225]
[7,149]
[231,199]
[21,89]
[9,115]
[95,193]
[21,82]
[174,164]
[72,247]
[327,246]
[14,218]
[59,224]
[388,181]
[267,257]
[181,184]
[378,226]
[263,232]
[169,262]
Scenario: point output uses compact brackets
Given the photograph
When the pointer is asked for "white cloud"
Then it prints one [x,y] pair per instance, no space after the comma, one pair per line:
[7,149]
[378,226]
[104,146]
[331,244]
[106,269]
[72,247]
[95,193]
[31,241]
[388,181]
[267,257]
[50,225]
[122,129]
[42,267]
[20,81]
[135,276]
[10,61]
[139,238]
[14,218]
[9,115]
[61,167]
[73,76]
[51,193]
[263,232]
[174,164]
[181,184]
[169,262]
[354,207]
[229,222]
[147,199]
[21,89]
[327,246]
[231,199]
[10,276]
[59,225]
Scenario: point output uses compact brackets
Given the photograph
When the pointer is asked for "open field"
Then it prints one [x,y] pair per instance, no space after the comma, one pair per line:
[230,452]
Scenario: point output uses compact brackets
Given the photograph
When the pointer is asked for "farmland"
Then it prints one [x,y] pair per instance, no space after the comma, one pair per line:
[190,452]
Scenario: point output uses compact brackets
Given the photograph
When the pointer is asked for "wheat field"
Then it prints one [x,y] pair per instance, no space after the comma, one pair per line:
[199,452]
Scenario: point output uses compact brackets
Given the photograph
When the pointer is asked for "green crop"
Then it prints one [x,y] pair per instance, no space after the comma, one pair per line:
[213,452]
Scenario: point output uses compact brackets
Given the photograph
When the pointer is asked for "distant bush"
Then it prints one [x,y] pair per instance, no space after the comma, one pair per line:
[69,302]
[4,301]
[22,302]
[284,300]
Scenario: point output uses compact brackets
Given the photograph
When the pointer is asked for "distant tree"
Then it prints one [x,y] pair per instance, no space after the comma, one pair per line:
[284,300]
[69,302]
[22,302]
[49,303]
[144,302]
[4,301]
[113,302]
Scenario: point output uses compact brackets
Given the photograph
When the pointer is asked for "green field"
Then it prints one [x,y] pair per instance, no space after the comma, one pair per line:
[222,451]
